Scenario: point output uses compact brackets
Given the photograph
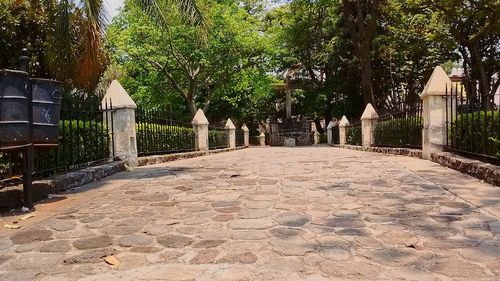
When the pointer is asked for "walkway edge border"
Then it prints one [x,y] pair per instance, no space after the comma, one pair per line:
[158,159]
[475,168]
[11,197]
[385,150]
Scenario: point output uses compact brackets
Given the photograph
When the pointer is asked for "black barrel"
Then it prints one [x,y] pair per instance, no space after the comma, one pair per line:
[46,112]
[14,109]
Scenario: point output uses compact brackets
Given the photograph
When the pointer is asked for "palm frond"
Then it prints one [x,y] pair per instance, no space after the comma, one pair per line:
[155,9]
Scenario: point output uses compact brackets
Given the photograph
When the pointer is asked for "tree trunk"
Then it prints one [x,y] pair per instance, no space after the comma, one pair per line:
[318,126]
[192,107]
[366,72]
[483,79]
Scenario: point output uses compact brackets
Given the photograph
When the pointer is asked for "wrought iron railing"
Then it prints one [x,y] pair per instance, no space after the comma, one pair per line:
[353,136]
[240,135]
[85,136]
[217,138]
[473,124]
[158,134]
[400,129]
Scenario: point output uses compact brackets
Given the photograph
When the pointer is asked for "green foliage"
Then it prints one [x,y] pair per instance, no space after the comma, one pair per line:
[223,71]
[217,138]
[4,165]
[399,132]
[155,138]
[310,36]
[82,143]
[410,42]
[354,135]
[476,132]
[63,38]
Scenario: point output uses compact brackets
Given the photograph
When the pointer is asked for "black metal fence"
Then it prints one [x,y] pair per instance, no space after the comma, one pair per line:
[217,138]
[353,136]
[158,134]
[473,124]
[85,136]
[400,129]
[240,137]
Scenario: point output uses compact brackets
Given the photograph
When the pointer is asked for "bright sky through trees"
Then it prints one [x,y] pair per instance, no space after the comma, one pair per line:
[112,7]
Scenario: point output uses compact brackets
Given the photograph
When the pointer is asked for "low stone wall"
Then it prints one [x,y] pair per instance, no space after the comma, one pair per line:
[483,171]
[11,197]
[480,170]
[387,150]
[157,159]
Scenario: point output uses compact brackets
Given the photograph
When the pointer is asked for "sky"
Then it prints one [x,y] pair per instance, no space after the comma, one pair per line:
[112,7]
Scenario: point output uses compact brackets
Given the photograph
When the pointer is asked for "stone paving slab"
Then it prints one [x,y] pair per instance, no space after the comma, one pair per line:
[316,213]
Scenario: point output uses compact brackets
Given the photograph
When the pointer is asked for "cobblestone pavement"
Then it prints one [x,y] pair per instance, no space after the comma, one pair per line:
[316,213]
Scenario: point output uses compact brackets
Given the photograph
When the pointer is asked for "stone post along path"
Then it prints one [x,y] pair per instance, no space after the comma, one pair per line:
[315,213]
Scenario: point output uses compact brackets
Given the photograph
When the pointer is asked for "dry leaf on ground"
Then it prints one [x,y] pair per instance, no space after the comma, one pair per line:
[25,217]
[11,226]
[112,260]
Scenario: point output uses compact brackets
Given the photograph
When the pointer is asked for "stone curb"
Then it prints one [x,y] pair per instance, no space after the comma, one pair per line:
[11,197]
[386,150]
[158,159]
[475,168]
[480,170]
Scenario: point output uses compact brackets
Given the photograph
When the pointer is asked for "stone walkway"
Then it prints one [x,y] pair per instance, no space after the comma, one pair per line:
[315,213]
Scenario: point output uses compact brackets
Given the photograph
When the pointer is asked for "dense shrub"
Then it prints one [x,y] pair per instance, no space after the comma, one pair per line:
[217,138]
[79,143]
[354,135]
[399,132]
[477,132]
[4,166]
[155,138]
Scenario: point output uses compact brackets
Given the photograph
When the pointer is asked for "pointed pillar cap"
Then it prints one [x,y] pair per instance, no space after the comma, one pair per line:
[330,125]
[118,97]
[229,125]
[436,86]
[344,122]
[199,118]
[245,128]
[369,113]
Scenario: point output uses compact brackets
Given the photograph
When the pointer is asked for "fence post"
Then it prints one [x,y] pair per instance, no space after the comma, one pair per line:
[246,135]
[122,115]
[200,127]
[231,133]
[368,123]
[329,132]
[262,139]
[434,112]
[344,123]
[316,137]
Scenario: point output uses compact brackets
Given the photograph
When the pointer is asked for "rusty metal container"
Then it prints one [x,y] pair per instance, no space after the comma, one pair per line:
[46,104]
[14,109]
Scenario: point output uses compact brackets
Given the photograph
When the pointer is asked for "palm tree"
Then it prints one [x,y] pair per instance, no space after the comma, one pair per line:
[73,35]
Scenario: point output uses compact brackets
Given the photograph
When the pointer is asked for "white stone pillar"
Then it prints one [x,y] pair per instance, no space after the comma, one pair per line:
[262,139]
[246,135]
[316,137]
[434,112]
[368,123]
[200,127]
[231,133]
[343,125]
[122,115]
[329,133]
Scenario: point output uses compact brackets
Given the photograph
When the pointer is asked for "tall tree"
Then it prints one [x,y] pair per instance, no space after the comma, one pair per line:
[475,26]
[361,20]
[194,61]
